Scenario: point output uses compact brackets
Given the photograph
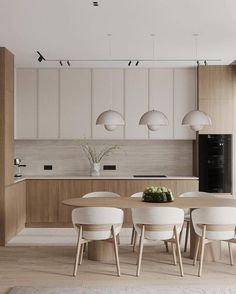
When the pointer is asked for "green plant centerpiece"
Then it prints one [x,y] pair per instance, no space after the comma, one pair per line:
[157,194]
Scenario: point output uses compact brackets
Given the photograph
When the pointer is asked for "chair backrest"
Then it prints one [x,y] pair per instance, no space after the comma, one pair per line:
[220,222]
[159,221]
[137,195]
[196,194]
[101,194]
[97,221]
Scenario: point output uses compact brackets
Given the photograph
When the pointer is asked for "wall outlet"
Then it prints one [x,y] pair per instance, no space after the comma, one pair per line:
[47,167]
[109,167]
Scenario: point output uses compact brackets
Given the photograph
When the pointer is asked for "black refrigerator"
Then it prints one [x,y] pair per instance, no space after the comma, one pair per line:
[215,163]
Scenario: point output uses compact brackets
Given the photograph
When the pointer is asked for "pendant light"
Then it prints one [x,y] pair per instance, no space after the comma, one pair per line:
[110,118]
[196,119]
[153,119]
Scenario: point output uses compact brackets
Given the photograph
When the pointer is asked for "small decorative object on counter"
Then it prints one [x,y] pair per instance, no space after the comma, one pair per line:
[95,156]
[157,194]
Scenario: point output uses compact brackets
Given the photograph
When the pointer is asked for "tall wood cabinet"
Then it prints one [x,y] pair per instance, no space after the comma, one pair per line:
[216,97]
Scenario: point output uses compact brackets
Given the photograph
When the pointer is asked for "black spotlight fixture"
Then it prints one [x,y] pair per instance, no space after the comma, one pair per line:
[198,63]
[95,3]
[61,64]
[205,62]
[68,62]
[137,62]
[129,63]
[40,58]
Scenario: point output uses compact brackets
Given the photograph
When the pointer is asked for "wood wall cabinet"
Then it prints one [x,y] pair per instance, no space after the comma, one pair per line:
[26,104]
[216,98]
[136,102]
[108,93]
[75,103]
[184,101]
[44,197]
[48,104]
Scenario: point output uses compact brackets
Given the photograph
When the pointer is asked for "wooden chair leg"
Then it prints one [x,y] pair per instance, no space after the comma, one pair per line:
[178,251]
[135,240]
[77,251]
[132,236]
[81,253]
[140,254]
[116,250]
[196,251]
[174,253]
[202,250]
[186,236]
[230,254]
[167,247]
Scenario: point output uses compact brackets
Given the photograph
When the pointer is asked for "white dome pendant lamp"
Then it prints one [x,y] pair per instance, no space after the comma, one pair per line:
[153,118]
[196,119]
[110,118]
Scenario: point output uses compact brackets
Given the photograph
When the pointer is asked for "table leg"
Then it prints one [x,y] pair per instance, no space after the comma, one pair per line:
[101,250]
[212,249]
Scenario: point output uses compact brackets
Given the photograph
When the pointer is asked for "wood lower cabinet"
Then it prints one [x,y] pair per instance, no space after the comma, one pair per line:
[44,197]
[15,209]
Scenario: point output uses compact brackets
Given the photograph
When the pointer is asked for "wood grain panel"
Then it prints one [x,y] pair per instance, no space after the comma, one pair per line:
[66,189]
[15,205]
[6,131]
[42,201]
[44,197]
[216,98]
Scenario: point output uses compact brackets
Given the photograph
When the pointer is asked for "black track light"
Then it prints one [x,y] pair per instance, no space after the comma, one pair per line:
[137,62]
[68,62]
[129,63]
[61,64]
[40,58]
[95,3]
[198,63]
[205,62]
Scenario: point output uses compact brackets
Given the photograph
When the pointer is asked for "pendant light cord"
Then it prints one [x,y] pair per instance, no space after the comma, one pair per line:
[111,84]
[197,71]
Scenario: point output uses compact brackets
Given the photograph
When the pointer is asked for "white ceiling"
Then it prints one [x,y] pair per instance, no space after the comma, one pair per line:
[74,29]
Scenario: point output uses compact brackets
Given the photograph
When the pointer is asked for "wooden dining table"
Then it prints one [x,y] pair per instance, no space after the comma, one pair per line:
[103,250]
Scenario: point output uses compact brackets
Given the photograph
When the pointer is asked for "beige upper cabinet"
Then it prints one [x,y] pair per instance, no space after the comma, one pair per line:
[65,103]
[216,98]
[26,104]
[161,98]
[75,104]
[48,104]
[184,101]
[136,102]
[108,93]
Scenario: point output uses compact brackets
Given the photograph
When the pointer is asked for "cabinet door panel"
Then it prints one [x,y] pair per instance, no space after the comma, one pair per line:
[184,101]
[48,108]
[75,104]
[26,104]
[161,98]
[136,102]
[108,93]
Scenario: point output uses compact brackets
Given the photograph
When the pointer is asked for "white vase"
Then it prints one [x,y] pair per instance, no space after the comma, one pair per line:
[95,169]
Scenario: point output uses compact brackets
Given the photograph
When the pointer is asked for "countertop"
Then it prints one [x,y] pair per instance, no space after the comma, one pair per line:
[16,180]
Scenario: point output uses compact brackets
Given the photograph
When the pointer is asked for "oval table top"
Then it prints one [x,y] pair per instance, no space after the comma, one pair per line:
[127,202]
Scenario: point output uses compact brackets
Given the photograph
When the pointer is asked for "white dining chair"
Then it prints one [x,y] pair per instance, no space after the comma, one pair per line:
[187,212]
[133,234]
[210,224]
[96,223]
[100,194]
[133,240]
[159,223]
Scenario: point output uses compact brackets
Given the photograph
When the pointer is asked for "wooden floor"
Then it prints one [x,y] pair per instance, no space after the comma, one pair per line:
[52,267]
